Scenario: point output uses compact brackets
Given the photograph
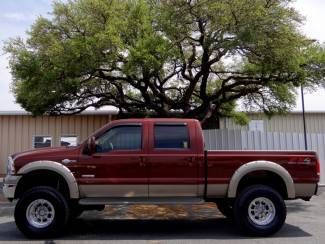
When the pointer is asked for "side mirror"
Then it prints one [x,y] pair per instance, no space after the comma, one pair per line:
[90,146]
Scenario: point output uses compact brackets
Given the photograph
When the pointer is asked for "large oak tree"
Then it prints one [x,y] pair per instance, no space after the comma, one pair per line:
[165,58]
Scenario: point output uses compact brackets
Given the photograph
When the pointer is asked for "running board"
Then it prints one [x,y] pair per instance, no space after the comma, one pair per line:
[156,201]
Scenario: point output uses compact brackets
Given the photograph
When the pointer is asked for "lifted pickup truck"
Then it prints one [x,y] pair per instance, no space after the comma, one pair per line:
[156,161]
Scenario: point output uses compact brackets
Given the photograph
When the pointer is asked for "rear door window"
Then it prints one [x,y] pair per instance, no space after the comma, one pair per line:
[171,136]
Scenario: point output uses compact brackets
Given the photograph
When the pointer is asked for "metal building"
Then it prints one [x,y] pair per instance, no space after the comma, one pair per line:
[20,131]
[291,122]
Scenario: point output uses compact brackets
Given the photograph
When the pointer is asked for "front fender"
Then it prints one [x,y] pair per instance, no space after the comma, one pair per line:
[55,167]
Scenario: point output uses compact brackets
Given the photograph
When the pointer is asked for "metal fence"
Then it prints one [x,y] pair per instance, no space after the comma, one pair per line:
[255,140]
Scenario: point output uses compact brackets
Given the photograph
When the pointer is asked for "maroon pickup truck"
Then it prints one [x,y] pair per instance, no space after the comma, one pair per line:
[156,161]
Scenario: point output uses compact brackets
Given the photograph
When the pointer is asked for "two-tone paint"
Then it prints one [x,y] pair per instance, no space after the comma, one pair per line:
[151,173]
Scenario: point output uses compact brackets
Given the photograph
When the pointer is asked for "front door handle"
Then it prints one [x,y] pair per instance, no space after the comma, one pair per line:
[143,159]
[190,159]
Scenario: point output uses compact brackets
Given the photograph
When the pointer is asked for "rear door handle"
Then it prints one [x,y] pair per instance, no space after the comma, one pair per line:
[142,164]
[143,159]
[190,159]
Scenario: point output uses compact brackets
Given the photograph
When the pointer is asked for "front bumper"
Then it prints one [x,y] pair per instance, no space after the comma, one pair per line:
[9,186]
[320,189]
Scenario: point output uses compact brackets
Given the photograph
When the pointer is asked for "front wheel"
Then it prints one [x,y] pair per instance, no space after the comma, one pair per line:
[259,211]
[41,212]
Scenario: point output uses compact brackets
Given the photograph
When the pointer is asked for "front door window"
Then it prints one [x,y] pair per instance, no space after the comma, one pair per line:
[120,138]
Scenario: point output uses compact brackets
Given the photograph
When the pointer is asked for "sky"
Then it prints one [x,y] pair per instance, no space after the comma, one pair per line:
[16,17]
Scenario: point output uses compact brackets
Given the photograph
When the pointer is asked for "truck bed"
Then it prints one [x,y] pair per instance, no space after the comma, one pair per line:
[222,165]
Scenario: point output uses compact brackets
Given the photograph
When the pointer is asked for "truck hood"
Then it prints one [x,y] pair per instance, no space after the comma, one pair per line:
[56,154]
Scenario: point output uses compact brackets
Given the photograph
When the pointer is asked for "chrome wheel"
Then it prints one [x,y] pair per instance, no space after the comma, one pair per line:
[261,211]
[40,213]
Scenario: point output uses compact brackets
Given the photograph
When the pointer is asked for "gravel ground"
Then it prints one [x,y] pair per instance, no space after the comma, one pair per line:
[176,224]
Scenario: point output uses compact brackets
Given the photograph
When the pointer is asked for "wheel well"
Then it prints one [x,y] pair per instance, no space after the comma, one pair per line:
[264,177]
[42,178]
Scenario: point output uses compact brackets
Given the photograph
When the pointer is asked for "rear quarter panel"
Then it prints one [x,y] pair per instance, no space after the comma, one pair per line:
[223,164]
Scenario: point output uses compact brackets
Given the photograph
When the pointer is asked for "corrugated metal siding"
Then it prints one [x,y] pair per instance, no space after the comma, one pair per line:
[17,131]
[255,140]
[315,123]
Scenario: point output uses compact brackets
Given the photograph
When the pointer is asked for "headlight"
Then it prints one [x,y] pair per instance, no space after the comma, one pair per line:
[11,166]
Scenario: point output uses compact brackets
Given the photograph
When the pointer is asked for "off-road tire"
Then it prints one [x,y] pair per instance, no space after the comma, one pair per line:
[247,204]
[59,218]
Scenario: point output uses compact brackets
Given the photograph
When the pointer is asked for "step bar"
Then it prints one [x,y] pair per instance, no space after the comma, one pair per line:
[156,201]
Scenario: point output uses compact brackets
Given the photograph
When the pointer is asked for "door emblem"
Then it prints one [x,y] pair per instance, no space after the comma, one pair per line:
[307,161]
[88,176]
[68,161]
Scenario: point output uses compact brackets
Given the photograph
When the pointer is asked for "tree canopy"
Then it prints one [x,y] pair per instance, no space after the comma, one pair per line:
[165,58]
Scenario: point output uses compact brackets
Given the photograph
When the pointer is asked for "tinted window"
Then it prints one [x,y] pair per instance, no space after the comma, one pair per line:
[120,138]
[171,136]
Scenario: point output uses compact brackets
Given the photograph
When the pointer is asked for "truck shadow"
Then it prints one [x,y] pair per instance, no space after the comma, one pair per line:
[137,229]
[219,228]
[152,222]
[298,206]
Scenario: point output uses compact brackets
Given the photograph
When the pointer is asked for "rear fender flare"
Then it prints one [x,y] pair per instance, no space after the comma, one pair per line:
[55,167]
[257,166]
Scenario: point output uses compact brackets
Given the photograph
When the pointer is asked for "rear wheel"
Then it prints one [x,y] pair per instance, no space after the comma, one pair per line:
[259,210]
[41,212]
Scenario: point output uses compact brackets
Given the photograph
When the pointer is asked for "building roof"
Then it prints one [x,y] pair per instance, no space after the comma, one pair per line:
[87,112]
[291,112]
[113,111]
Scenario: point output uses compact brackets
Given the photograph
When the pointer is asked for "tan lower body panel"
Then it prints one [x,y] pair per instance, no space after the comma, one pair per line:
[113,190]
[174,191]
[217,190]
[213,190]
[140,191]
[305,189]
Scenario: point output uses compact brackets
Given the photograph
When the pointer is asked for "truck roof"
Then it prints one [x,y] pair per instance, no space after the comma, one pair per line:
[155,120]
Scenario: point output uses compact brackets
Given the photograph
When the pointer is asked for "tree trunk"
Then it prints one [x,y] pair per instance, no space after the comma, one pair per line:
[213,122]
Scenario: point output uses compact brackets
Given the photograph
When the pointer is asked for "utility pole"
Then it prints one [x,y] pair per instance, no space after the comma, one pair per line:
[304,116]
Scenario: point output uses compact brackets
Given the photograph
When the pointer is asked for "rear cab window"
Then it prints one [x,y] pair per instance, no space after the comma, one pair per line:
[171,137]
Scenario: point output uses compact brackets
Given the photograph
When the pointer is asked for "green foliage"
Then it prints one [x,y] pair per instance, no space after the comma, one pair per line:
[196,58]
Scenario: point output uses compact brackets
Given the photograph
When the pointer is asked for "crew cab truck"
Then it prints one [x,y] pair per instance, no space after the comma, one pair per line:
[156,161]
